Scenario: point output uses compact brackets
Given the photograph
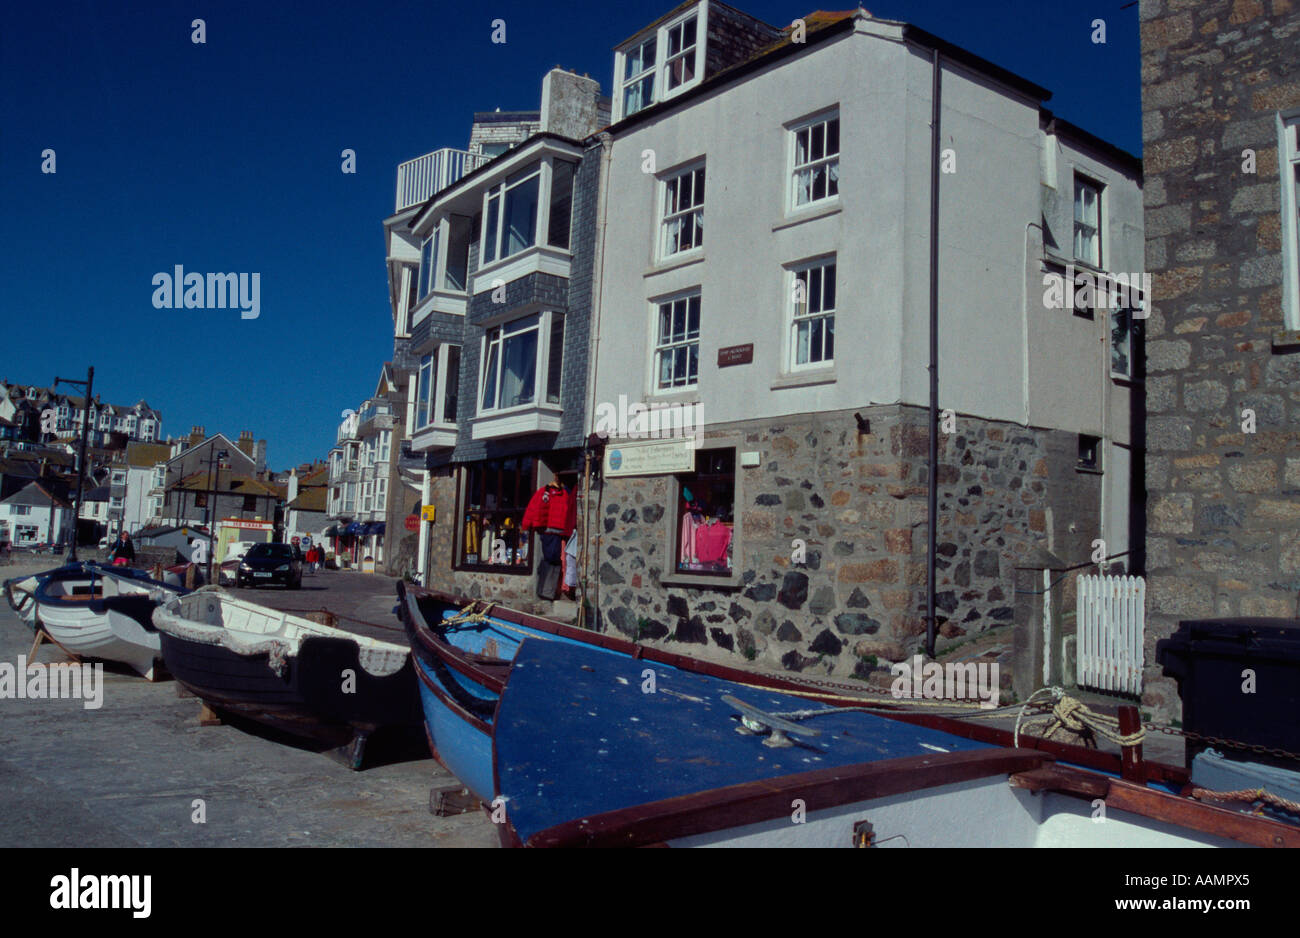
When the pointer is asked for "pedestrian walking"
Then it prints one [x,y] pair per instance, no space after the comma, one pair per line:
[123,551]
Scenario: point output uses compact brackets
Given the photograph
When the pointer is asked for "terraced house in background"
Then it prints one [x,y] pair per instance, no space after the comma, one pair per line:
[490,280]
[765,258]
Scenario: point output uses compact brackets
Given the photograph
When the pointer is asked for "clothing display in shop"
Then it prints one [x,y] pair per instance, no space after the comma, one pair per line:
[552,508]
[689,524]
[571,561]
[711,541]
[471,539]
[553,511]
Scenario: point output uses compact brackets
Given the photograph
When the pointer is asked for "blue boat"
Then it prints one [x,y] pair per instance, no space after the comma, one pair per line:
[594,749]
[463,651]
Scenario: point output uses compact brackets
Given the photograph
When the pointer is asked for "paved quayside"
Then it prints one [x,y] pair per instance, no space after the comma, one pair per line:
[128,773]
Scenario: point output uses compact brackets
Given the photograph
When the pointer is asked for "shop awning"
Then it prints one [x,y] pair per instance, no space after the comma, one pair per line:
[377,527]
[354,528]
[332,531]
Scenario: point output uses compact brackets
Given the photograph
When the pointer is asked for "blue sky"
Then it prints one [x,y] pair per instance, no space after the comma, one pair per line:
[225,157]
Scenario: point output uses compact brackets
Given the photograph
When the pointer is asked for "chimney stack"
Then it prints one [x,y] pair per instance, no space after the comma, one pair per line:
[245,443]
[196,435]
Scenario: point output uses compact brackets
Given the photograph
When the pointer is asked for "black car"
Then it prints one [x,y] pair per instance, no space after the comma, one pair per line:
[270,563]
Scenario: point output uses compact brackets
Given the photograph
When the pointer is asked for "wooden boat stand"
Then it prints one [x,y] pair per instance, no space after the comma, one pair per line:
[44,636]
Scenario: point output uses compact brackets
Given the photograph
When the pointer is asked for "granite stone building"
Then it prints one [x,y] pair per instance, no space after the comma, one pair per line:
[1221,114]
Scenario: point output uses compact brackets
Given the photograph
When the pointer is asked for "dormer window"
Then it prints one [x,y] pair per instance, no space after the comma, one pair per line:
[659,64]
[681,53]
[639,77]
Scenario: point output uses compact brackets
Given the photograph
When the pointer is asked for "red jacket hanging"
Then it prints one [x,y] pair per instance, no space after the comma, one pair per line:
[551,508]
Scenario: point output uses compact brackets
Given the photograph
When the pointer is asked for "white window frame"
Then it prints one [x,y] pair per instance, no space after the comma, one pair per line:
[431,388]
[430,254]
[796,316]
[659,90]
[501,192]
[669,187]
[1082,181]
[1128,341]
[541,370]
[381,494]
[811,165]
[658,346]
[650,72]
[1288,131]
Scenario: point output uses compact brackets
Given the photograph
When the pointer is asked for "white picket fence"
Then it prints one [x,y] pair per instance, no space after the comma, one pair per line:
[1111,619]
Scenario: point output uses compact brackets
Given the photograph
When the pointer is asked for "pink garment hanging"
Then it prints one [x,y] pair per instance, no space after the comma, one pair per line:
[689,526]
[712,541]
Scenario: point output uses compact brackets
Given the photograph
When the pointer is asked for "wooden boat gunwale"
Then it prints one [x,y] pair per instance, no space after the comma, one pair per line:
[730,806]
[657,822]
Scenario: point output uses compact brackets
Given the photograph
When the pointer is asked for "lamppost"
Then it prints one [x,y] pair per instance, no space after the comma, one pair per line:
[81,457]
[207,505]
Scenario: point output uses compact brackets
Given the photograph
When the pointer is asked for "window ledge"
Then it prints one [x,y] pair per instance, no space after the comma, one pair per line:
[811,213]
[686,396]
[534,259]
[695,580]
[675,263]
[520,421]
[804,379]
[1286,340]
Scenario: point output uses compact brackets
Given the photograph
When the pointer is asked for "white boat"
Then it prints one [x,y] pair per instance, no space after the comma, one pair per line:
[102,612]
[21,595]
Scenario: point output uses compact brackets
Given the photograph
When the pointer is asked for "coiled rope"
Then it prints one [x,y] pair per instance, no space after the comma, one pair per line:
[1071,715]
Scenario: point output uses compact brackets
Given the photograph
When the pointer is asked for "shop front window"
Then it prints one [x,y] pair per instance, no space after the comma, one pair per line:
[496,494]
[706,503]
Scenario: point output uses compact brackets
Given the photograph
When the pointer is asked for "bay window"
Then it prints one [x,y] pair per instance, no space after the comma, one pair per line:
[438,387]
[511,353]
[381,494]
[512,215]
[428,264]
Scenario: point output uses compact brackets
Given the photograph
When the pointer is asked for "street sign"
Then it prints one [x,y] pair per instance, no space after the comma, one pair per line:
[412,522]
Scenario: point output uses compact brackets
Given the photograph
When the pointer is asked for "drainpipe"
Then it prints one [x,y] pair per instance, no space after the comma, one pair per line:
[598,281]
[933,472]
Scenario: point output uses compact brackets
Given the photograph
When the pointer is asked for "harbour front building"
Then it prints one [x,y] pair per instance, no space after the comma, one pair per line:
[764,281]
[494,338]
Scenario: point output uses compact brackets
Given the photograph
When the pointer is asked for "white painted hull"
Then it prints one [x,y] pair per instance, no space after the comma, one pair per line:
[22,599]
[987,812]
[113,636]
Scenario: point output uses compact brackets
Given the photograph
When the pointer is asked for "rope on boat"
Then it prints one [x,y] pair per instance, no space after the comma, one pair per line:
[1250,795]
[1073,716]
